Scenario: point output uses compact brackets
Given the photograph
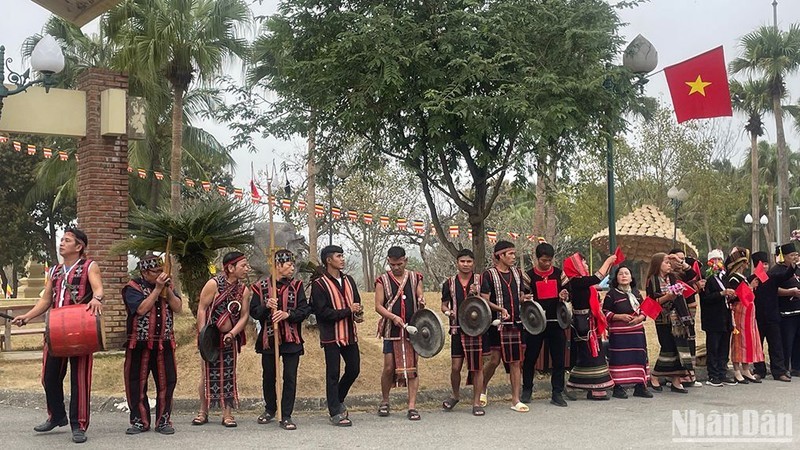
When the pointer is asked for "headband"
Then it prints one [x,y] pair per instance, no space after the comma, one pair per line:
[235,261]
[284,257]
[150,263]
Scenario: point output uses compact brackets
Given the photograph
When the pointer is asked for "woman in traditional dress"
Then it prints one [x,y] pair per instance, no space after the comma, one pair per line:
[745,342]
[627,343]
[591,369]
[674,324]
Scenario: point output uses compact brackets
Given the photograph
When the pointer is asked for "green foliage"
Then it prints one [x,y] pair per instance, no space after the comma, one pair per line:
[205,226]
[447,88]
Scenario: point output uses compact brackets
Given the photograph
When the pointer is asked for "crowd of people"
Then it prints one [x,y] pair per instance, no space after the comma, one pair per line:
[738,311]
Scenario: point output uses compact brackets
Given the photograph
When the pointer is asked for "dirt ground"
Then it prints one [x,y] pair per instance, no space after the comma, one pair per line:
[107,376]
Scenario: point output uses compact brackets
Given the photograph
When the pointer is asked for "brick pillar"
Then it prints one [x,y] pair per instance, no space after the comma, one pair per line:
[103,198]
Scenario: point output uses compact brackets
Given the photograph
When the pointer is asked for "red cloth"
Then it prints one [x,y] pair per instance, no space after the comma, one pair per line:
[699,86]
[620,256]
[573,268]
[254,192]
[761,273]
[650,308]
[745,294]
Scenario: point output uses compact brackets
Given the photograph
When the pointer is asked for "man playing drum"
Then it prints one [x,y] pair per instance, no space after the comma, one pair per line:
[76,280]
[224,303]
[398,295]
[151,305]
[455,290]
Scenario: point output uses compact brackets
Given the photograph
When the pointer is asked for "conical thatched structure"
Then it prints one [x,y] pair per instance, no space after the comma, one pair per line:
[642,233]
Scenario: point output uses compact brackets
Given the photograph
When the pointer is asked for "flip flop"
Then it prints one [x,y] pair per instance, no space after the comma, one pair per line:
[449,404]
[520,407]
[484,399]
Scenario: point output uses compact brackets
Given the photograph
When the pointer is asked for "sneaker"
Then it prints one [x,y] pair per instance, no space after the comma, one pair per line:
[619,392]
[714,382]
[641,391]
[729,381]
[558,400]
[526,395]
[696,384]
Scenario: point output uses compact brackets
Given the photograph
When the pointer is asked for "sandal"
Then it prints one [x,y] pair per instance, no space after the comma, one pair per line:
[287,424]
[265,418]
[478,411]
[520,407]
[449,404]
[201,418]
[484,399]
[340,420]
[383,410]
[229,422]
[413,414]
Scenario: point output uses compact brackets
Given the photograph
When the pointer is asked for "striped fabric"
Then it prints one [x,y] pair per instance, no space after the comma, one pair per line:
[746,344]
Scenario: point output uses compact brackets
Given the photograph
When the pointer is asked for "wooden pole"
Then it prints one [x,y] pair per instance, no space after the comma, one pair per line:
[274,291]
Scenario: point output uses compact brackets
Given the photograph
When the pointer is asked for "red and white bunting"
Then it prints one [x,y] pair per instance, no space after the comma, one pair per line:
[402,224]
[301,205]
[17,146]
[238,193]
[336,213]
[419,226]
[48,152]
[384,221]
[159,175]
[189,182]
[142,173]
[286,204]
[352,215]
[63,156]
[31,149]
[319,210]
[453,231]
[368,218]
[513,235]
[492,235]
[206,185]
[223,191]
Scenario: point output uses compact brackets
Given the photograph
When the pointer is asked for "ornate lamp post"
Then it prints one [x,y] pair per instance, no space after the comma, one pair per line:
[640,57]
[676,197]
[762,222]
[47,59]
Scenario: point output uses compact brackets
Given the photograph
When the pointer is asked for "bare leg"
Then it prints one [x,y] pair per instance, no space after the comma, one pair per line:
[489,368]
[387,376]
[455,377]
[413,387]
[516,381]
[477,381]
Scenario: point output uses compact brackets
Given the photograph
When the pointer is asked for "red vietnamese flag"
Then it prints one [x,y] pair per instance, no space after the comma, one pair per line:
[745,294]
[699,86]
[761,273]
[688,291]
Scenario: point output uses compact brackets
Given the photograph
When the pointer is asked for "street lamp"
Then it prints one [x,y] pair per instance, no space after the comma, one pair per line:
[46,58]
[640,57]
[762,222]
[340,173]
[677,197]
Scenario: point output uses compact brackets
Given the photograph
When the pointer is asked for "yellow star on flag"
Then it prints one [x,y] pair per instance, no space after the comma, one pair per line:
[698,85]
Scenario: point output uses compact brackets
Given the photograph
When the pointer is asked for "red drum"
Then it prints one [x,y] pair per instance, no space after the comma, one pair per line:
[73,331]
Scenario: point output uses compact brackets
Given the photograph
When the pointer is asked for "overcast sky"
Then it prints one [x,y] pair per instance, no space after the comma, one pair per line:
[679,29]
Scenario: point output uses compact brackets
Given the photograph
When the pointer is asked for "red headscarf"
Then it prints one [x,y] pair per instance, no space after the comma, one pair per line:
[574,268]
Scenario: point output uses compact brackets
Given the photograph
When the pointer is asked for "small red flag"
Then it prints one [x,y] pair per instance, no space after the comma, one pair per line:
[650,308]
[688,291]
[620,256]
[760,272]
[699,86]
[745,294]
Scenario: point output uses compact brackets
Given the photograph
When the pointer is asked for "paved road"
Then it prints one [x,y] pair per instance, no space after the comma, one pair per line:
[631,423]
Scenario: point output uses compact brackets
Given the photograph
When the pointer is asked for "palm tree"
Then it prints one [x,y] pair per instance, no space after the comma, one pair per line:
[198,231]
[181,41]
[773,54]
[752,98]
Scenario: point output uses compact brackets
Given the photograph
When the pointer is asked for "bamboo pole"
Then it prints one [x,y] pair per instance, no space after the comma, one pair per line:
[274,291]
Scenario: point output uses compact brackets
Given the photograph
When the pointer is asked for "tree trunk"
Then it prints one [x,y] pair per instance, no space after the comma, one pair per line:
[311,199]
[177,149]
[550,209]
[783,168]
[770,232]
[541,201]
[14,279]
[479,243]
[193,276]
[152,200]
[754,190]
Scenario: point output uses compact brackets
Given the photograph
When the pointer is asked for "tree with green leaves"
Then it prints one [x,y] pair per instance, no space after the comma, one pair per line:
[752,98]
[182,41]
[448,88]
[205,226]
[773,54]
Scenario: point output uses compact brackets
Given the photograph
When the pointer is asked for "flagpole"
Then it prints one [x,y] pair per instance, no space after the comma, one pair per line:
[274,291]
